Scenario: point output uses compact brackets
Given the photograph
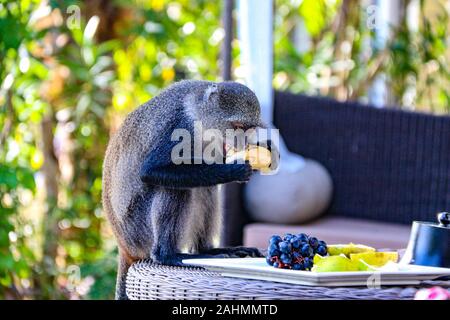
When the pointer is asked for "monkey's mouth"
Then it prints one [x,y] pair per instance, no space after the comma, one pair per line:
[239,145]
[229,150]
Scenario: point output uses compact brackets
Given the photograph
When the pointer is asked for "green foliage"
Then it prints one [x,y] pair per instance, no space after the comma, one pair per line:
[20,109]
[339,56]
[170,43]
[419,61]
[65,89]
[316,14]
[58,244]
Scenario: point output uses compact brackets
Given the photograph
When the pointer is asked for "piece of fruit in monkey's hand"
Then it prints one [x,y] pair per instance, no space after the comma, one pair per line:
[259,157]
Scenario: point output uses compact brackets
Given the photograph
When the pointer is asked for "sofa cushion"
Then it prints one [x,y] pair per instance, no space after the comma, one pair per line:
[334,230]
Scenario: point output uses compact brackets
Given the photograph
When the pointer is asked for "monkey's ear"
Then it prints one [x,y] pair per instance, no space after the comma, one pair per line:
[211,91]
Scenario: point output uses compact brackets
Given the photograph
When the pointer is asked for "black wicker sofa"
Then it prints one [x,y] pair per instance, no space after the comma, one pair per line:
[388,166]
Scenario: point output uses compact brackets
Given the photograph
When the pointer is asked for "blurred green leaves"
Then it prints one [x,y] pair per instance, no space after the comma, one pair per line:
[64,90]
[64,77]
[329,48]
[316,14]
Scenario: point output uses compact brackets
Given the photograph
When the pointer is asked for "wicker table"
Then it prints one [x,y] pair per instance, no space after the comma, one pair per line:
[149,281]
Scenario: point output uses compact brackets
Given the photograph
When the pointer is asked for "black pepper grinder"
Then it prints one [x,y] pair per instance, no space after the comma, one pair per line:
[429,243]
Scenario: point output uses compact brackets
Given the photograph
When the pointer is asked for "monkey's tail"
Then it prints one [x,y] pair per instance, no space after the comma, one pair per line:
[122,271]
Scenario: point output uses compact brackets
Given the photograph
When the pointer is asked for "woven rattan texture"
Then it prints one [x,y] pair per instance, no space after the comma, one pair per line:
[146,281]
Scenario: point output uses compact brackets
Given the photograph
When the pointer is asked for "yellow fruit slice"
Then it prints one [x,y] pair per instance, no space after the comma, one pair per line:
[348,249]
[337,263]
[259,158]
[367,260]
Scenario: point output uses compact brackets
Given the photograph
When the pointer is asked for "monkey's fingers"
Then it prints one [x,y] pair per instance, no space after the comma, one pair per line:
[247,252]
[234,252]
[170,260]
[180,259]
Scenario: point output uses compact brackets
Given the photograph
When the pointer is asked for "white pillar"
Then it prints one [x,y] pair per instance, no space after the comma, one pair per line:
[387,17]
[289,196]
[255,32]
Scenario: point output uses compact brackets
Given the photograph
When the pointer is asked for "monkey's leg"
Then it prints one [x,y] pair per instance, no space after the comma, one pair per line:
[208,218]
[209,226]
[123,267]
[169,215]
[135,237]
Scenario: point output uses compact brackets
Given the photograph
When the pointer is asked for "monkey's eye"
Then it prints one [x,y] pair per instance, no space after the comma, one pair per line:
[237,125]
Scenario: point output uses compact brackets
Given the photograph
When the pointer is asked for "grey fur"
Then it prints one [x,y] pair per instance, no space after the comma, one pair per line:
[141,214]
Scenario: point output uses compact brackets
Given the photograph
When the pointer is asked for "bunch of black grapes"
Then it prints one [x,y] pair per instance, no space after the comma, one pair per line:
[294,251]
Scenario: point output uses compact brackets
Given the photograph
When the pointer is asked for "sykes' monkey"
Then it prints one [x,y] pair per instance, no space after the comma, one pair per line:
[155,206]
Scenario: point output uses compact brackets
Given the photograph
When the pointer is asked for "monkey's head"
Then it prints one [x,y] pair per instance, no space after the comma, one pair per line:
[224,106]
[228,105]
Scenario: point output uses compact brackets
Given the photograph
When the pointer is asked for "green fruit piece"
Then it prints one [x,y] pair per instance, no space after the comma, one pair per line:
[333,264]
[362,266]
[367,261]
[348,249]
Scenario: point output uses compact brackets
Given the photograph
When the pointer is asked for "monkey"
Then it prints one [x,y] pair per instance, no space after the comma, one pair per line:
[155,206]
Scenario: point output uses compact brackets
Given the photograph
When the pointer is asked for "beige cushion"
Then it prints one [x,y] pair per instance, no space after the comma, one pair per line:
[334,230]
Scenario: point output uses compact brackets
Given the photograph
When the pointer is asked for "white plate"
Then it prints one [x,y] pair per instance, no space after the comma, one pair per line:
[257,268]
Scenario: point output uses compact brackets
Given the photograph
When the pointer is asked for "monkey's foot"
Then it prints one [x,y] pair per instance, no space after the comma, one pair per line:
[170,260]
[234,252]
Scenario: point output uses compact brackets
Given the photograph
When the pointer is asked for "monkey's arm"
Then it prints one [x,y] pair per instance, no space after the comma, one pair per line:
[158,169]
[194,175]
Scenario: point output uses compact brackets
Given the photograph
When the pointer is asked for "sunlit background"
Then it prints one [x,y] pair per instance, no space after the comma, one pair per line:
[71,70]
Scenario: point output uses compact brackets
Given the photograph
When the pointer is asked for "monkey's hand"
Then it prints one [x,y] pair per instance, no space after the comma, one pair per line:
[234,252]
[240,172]
[176,259]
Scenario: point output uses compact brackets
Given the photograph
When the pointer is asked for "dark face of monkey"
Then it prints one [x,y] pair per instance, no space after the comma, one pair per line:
[229,105]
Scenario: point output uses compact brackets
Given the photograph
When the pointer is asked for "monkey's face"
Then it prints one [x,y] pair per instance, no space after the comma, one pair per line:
[230,105]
